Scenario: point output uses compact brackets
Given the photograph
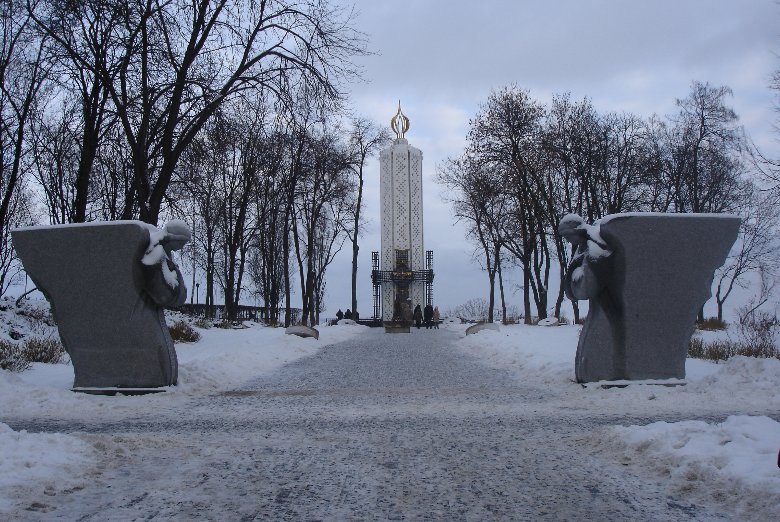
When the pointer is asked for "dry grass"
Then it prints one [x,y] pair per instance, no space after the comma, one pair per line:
[43,350]
[182,332]
[711,324]
[202,322]
[11,357]
[723,350]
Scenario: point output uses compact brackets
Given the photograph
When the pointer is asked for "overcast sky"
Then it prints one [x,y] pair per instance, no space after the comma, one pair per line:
[442,58]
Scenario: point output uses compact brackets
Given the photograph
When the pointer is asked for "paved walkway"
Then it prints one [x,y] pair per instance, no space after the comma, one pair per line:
[383,427]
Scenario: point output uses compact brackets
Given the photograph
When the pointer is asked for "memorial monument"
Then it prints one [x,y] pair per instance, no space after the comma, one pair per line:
[404,278]
[107,283]
[646,276]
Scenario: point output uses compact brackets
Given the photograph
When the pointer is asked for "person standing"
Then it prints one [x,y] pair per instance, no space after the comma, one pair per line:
[417,316]
[436,317]
[339,315]
[428,316]
[348,314]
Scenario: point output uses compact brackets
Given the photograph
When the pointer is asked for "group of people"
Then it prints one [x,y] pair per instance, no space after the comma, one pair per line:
[430,315]
[346,315]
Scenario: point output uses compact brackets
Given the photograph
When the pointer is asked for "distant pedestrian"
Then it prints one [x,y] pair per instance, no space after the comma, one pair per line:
[355,316]
[436,317]
[428,316]
[347,314]
[339,315]
[417,316]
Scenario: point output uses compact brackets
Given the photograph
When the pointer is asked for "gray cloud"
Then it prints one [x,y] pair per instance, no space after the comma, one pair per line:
[442,58]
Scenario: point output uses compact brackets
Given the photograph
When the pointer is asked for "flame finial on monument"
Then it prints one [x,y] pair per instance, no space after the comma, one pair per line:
[399,123]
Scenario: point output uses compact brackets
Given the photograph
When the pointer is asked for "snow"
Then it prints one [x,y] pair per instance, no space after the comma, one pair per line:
[87,224]
[155,253]
[737,444]
[698,455]
[610,217]
[742,448]
[46,462]
[222,360]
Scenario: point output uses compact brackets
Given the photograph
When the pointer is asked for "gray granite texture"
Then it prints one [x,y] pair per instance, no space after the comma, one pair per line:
[106,302]
[646,276]
[475,328]
[303,331]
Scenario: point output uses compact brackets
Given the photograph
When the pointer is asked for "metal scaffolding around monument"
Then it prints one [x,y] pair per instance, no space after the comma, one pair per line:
[429,282]
[377,286]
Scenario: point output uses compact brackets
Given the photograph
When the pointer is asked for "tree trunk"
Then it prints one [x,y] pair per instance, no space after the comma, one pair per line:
[492,298]
[501,290]
[527,294]
[355,246]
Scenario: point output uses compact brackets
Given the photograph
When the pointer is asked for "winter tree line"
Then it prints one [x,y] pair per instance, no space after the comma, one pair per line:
[229,114]
[527,164]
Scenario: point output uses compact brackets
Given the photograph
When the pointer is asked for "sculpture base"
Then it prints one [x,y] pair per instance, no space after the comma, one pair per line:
[606,385]
[113,390]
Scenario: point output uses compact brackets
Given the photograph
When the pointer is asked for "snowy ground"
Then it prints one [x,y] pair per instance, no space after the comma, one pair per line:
[734,459]
[713,442]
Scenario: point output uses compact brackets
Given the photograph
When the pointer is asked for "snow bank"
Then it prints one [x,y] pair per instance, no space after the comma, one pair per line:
[733,462]
[32,463]
[545,353]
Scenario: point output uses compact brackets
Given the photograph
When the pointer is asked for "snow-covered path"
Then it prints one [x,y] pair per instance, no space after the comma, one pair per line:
[377,427]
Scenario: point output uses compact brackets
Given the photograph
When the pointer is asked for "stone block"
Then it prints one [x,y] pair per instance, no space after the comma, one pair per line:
[302,331]
[106,283]
[474,328]
[646,275]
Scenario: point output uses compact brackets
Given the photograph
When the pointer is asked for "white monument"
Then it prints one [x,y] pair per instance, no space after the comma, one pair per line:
[405,278]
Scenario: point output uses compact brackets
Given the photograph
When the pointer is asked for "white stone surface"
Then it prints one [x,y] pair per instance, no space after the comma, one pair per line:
[402,217]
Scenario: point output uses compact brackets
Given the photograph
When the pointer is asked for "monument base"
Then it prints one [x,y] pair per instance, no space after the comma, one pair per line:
[397,326]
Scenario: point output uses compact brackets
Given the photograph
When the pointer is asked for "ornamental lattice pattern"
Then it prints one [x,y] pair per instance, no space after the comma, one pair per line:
[416,219]
[386,192]
[388,296]
[402,218]
[401,200]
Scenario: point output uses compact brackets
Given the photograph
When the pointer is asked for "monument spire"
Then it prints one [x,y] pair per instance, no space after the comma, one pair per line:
[399,123]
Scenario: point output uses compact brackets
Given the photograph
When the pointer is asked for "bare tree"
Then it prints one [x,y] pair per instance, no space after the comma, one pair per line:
[702,153]
[365,140]
[322,195]
[55,158]
[477,200]
[171,65]
[82,32]
[505,136]
[23,74]
[755,251]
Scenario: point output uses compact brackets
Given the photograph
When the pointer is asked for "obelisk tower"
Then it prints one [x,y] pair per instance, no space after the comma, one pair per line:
[405,276]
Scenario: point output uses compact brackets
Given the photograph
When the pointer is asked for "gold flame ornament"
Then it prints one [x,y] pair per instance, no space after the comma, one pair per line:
[399,123]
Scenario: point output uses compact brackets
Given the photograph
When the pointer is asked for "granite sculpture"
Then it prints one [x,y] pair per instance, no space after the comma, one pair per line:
[107,283]
[646,276]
